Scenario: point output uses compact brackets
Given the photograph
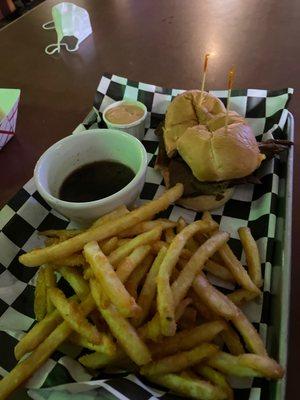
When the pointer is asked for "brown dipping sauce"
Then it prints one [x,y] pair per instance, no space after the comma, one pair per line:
[124,114]
[95,181]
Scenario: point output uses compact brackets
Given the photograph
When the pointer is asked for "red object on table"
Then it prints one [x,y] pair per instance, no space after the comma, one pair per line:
[157,42]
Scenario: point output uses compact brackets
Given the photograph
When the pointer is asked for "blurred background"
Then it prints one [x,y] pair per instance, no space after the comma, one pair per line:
[13,9]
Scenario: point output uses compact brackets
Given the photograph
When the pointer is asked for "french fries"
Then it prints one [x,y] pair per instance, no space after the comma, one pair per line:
[179,361]
[121,328]
[252,255]
[109,280]
[251,337]
[107,347]
[246,365]
[232,341]
[107,246]
[98,360]
[212,297]
[148,291]
[187,339]
[222,306]
[218,270]
[50,282]
[233,264]
[141,295]
[194,388]
[165,303]
[37,334]
[215,377]
[143,227]
[76,281]
[40,296]
[70,311]
[138,275]
[144,238]
[240,296]
[195,264]
[126,267]
[111,216]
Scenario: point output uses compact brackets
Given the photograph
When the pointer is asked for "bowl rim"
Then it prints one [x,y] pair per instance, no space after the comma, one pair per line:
[129,101]
[81,205]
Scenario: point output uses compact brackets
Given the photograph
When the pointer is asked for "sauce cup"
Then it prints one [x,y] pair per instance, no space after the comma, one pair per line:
[136,128]
[83,148]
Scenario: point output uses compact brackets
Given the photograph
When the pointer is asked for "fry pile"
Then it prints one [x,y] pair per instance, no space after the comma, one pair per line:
[142,301]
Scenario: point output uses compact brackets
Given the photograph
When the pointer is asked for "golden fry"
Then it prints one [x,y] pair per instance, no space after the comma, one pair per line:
[195,264]
[148,291]
[232,341]
[111,216]
[108,246]
[251,337]
[37,334]
[107,347]
[75,260]
[215,377]
[193,388]
[121,329]
[60,233]
[70,311]
[246,365]
[143,227]
[104,231]
[109,280]
[233,264]
[99,360]
[123,251]
[240,296]
[213,298]
[179,361]
[218,270]
[40,296]
[76,281]
[187,339]
[138,275]
[238,271]
[129,263]
[252,255]
[50,282]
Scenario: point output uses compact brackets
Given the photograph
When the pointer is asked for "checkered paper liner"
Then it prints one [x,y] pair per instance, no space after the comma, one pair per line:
[27,213]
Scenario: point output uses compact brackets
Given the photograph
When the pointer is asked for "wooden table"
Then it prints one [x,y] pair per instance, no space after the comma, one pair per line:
[157,41]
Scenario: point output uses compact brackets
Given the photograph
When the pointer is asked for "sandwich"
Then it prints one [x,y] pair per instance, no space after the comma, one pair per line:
[206,150]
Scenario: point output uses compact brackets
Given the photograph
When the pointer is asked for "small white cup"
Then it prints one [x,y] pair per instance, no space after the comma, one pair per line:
[77,150]
[136,128]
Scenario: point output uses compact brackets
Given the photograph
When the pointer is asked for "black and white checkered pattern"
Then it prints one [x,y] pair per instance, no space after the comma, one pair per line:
[253,206]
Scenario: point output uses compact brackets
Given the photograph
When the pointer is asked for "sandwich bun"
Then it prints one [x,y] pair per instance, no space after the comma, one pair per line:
[205,202]
[185,111]
[224,154]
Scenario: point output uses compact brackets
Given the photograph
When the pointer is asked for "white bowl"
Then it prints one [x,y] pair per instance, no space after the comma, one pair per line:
[77,150]
[136,128]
